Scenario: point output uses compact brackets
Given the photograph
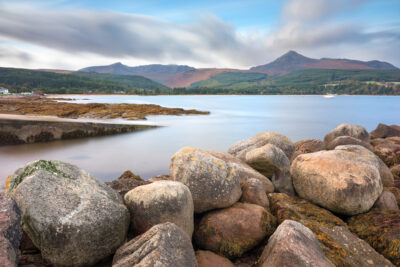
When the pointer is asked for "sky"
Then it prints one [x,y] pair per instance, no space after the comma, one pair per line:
[72,34]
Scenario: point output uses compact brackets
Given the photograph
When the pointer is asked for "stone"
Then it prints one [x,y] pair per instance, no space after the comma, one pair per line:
[123,186]
[348,140]
[240,148]
[381,229]
[293,244]
[342,181]
[396,192]
[395,170]
[234,230]
[207,258]
[307,146]
[162,177]
[345,129]
[387,201]
[163,245]
[73,218]
[159,202]
[10,232]
[389,152]
[339,245]
[383,131]
[254,192]
[212,182]
[130,176]
[394,139]
[272,162]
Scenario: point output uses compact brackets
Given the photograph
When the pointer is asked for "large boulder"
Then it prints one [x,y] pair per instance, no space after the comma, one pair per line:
[293,244]
[10,231]
[307,146]
[341,181]
[244,171]
[383,131]
[212,182]
[207,258]
[389,152]
[73,218]
[159,202]
[345,129]
[381,229]
[387,201]
[348,140]
[339,245]
[163,245]
[240,148]
[126,182]
[254,192]
[235,230]
[272,162]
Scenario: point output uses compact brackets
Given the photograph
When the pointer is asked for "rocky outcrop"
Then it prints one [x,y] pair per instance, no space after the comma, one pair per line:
[339,245]
[383,131]
[307,146]
[14,132]
[73,218]
[10,232]
[348,183]
[254,192]
[355,131]
[207,258]
[293,245]
[235,230]
[387,201]
[381,229]
[212,182]
[348,140]
[163,245]
[126,182]
[159,202]
[241,148]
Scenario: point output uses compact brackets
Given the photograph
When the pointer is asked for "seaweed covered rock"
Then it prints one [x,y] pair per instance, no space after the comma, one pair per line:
[126,182]
[396,192]
[293,244]
[383,131]
[340,246]
[163,245]
[212,182]
[389,152]
[207,258]
[159,202]
[348,140]
[10,231]
[73,218]
[307,146]
[395,170]
[234,230]
[254,192]
[347,182]
[240,148]
[387,201]
[272,162]
[381,229]
[352,130]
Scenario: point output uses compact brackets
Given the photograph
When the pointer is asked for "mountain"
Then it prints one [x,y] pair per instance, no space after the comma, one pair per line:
[156,72]
[292,61]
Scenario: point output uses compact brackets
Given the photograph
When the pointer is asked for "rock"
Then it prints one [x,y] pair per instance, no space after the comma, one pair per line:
[378,141]
[159,202]
[235,230]
[342,181]
[381,229]
[163,245]
[345,129]
[395,170]
[212,182]
[369,157]
[389,152]
[339,245]
[10,231]
[396,192]
[123,186]
[307,146]
[254,192]
[387,201]
[240,148]
[293,244]
[394,139]
[207,258]
[244,171]
[130,176]
[162,177]
[272,162]
[383,131]
[73,218]
[348,140]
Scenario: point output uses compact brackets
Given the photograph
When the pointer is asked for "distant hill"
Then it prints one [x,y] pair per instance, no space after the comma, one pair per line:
[156,72]
[232,80]
[292,61]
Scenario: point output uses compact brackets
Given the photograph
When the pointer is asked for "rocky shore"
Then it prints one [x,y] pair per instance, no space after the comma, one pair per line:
[267,202]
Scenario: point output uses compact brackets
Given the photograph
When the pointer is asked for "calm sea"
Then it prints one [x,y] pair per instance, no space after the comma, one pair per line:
[232,118]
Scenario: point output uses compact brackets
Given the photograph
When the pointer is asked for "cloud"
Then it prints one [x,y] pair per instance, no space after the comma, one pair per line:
[306,26]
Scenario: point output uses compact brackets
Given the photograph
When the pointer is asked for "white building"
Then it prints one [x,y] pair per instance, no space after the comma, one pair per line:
[4,91]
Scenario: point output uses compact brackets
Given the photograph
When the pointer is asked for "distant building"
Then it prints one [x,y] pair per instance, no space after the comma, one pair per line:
[4,91]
